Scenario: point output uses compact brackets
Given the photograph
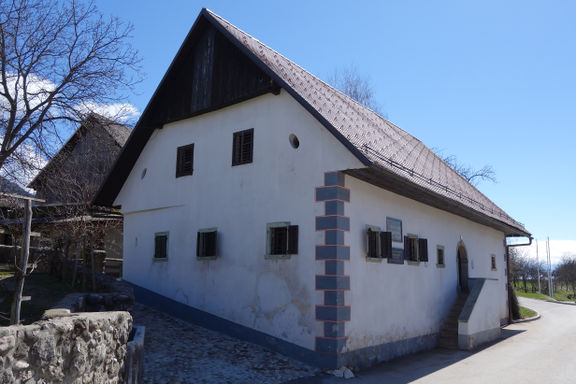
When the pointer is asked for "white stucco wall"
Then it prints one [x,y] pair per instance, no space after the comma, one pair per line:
[393,302]
[273,296]
[483,325]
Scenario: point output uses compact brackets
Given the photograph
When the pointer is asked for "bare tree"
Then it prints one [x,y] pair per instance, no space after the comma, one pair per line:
[472,175]
[352,84]
[58,61]
[566,272]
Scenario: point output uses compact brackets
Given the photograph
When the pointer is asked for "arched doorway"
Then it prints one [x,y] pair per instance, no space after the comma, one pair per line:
[462,268]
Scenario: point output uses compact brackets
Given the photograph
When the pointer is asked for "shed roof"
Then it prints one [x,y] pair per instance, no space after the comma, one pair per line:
[394,159]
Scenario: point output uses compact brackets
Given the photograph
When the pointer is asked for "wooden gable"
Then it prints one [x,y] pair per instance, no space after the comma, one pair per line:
[208,74]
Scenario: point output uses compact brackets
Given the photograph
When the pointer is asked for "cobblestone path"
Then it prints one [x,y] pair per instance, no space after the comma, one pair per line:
[178,352]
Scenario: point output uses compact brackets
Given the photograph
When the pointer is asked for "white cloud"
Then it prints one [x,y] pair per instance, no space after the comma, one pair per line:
[121,112]
[37,90]
[558,249]
[23,166]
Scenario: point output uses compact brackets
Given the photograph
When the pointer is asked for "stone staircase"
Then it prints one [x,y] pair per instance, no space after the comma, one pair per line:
[449,330]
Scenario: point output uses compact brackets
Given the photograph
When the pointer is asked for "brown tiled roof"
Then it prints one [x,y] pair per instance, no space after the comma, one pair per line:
[378,141]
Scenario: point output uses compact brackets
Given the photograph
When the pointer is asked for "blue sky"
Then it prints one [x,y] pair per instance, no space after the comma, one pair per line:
[491,82]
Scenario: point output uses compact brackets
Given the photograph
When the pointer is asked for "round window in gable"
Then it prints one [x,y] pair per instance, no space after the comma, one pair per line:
[294,142]
[143,173]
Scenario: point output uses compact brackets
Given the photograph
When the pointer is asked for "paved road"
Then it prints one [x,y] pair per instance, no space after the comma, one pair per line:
[539,352]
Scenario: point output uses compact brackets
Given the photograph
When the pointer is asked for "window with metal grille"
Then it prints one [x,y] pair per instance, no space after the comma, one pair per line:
[161,245]
[282,239]
[493,262]
[243,147]
[206,243]
[440,255]
[185,160]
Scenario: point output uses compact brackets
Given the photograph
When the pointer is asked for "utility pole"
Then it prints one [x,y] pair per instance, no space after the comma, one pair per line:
[550,286]
[538,266]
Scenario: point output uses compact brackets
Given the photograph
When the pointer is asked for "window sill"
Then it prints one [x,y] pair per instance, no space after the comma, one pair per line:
[207,258]
[277,257]
[374,259]
[160,259]
[495,269]
[440,265]
[411,262]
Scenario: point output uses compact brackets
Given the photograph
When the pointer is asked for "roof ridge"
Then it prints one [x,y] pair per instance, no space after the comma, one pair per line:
[342,94]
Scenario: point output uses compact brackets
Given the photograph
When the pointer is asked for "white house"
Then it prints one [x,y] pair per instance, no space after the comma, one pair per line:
[260,201]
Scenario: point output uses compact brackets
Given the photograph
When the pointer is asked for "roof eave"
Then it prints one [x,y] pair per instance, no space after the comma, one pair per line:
[394,183]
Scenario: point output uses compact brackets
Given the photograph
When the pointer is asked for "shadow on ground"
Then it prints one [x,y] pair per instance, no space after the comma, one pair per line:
[408,368]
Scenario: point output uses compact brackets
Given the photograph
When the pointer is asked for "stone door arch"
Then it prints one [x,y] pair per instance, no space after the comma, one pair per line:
[462,268]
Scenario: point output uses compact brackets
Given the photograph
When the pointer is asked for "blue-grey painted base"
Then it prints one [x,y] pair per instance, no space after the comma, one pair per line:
[367,357]
[361,358]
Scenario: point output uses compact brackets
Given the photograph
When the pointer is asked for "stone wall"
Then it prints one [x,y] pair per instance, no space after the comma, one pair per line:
[73,348]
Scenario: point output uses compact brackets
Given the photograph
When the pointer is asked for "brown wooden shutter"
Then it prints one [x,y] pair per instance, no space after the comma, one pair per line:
[292,240]
[373,243]
[386,245]
[210,239]
[243,147]
[247,146]
[185,160]
[407,248]
[423,249]
[236,148]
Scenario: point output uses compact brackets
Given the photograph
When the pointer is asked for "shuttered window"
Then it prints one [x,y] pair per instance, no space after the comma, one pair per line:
[243,147]
[415,249]
[185,160]
[379,243]
[161,245]
[206,243]
[282,239]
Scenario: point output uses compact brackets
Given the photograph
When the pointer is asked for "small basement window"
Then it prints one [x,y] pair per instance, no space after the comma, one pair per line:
[185,160]
[415,249]
[206,243]
[281,240]
[243,147]
[161,246]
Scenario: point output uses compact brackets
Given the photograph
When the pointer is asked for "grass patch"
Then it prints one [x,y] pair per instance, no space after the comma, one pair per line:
[527,312]
[563,296]
[533,295]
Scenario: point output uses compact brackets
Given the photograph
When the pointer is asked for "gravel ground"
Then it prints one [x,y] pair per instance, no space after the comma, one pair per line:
[178,352]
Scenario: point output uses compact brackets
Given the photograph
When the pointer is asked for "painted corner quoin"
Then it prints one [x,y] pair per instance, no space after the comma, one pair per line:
[334,253]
